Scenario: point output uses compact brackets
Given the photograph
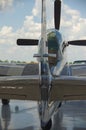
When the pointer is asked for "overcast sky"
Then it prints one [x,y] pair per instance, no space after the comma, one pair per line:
[21,19]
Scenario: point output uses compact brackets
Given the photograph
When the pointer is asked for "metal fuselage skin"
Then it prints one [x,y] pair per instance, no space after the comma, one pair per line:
[54,57]
[51,62]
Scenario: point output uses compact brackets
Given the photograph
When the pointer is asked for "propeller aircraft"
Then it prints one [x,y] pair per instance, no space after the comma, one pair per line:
[49,88]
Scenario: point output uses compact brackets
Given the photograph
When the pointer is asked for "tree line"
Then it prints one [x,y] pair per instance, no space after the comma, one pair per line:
[16,62]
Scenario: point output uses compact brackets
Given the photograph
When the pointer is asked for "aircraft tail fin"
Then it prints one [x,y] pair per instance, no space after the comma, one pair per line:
[43,28]
[34,42]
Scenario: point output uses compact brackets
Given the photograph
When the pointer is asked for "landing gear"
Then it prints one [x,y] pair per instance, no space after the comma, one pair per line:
[5,101]
[46,126]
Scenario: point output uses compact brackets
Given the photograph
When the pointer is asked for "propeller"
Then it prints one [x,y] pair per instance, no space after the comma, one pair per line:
[57,13]
[77,42]
[27,42]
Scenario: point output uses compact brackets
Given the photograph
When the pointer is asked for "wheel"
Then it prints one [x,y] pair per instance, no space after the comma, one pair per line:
[46,126]
[5,101]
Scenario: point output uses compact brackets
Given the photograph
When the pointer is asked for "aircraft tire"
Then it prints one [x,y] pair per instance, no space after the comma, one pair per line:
[5,101]
[47,126]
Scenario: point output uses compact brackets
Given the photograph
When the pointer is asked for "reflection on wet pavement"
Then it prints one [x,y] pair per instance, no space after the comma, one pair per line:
[71,116]
[23,115]
[19,115]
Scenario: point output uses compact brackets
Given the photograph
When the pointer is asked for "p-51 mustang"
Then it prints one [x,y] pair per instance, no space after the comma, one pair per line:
[49,88]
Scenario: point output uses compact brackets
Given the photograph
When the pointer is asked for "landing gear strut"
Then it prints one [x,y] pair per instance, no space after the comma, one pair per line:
[46,126]
[5,101]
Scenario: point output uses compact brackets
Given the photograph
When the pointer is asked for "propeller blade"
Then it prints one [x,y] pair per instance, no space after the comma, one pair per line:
[57,13]
[27,42]
[78,42]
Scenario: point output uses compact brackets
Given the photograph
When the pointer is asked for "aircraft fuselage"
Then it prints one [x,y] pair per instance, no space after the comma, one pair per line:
[55,55]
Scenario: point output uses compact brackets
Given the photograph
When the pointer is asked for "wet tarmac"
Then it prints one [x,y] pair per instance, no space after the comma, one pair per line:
[23,115]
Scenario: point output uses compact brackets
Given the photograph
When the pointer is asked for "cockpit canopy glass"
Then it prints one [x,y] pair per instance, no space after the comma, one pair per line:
[52,42]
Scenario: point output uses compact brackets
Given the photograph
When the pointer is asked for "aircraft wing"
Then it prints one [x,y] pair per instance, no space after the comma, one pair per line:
[20,87]
[69,88]
[27,88]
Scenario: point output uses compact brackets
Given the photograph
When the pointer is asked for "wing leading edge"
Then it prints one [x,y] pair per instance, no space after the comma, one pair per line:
[20,87]
[69,88]
[27,88]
